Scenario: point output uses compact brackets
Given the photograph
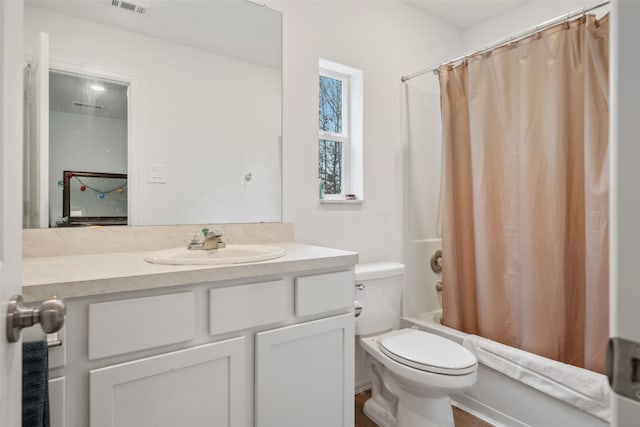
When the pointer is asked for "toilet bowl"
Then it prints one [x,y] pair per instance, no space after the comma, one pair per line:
[420,379]
[413,373]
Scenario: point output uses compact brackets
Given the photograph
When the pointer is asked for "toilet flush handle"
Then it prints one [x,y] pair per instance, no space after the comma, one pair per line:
[360,286]
[357,308]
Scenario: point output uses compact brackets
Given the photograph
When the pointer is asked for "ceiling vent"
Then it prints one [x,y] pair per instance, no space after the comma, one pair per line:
[131,6]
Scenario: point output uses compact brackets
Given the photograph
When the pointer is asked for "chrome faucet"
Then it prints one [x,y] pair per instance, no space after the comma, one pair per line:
[213,239]
[207,240]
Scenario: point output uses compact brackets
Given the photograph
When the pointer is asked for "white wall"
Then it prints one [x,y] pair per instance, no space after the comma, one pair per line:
[385,40]
[210,119]
[521,19]
[422,140]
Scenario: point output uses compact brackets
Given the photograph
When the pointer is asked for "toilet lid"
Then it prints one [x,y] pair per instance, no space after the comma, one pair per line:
[428,352]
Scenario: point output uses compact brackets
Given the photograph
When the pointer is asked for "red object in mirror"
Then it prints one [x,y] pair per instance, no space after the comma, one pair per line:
[83,188]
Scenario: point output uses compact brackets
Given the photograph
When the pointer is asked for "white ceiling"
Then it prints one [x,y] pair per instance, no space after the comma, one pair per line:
[464,14]
[236,28]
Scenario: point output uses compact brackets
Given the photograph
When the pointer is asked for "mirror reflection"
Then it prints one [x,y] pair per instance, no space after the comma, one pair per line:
[183,97]
[87,151]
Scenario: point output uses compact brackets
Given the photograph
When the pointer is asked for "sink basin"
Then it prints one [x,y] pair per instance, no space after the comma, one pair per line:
[232,254]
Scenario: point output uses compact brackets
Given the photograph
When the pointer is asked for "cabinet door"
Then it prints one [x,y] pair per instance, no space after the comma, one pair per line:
[199,386]
[304,374]
[57,402]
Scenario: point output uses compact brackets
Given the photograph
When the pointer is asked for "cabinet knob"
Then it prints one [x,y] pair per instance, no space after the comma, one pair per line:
[51,315]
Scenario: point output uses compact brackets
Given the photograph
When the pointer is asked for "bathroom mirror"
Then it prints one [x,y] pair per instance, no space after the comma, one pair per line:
[183,97]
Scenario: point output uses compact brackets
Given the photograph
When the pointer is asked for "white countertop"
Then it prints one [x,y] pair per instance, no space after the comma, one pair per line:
[86,275]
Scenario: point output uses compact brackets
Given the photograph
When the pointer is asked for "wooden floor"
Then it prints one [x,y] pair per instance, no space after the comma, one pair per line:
[461,418]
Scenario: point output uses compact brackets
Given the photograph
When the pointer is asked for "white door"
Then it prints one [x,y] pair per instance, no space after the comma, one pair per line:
[11,12]
[625,206]
[36,151]
[305,373]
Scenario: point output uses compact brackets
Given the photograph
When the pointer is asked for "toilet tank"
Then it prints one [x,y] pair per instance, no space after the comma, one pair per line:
[379,293]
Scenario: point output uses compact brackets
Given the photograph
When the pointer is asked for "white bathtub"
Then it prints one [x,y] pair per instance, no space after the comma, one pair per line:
[500,399]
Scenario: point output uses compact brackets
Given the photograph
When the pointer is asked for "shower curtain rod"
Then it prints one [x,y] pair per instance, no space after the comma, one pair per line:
[511,39]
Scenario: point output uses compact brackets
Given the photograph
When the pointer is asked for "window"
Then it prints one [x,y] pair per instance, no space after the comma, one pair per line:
[334,132]
[340,136]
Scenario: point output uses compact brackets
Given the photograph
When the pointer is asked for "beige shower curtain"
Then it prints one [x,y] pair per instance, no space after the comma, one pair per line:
[526,193]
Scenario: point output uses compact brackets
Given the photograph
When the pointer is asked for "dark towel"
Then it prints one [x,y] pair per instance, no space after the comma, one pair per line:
[35,384]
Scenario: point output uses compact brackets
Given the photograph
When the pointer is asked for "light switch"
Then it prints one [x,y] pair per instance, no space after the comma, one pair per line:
[158,174]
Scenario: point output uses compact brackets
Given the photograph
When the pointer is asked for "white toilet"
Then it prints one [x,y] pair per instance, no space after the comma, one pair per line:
[412,372]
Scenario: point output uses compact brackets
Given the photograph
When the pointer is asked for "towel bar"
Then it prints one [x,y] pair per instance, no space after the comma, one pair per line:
[53,340]
[54,343]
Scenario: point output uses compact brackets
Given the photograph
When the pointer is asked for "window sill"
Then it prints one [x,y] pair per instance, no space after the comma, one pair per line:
[340,201]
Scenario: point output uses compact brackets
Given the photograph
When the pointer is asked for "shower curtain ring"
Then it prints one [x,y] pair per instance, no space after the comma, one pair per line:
[566,22]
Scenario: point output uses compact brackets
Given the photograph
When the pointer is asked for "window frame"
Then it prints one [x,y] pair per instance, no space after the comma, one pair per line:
[344,136]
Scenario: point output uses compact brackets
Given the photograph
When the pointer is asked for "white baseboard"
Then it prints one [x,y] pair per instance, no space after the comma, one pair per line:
[361,388]
[484,412]
[364,386]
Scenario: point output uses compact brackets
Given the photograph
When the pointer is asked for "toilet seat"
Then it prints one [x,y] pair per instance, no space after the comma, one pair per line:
[428,352]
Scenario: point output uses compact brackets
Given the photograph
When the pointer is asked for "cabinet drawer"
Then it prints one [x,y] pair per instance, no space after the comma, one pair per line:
[124,326]
[246,306]
[324,292]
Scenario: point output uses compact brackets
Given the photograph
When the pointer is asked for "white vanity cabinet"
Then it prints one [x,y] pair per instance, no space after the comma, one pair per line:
[269,351]
[198,386]
[304,374]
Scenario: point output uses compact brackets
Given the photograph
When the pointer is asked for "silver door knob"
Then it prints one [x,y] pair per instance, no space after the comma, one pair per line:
[51,315]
